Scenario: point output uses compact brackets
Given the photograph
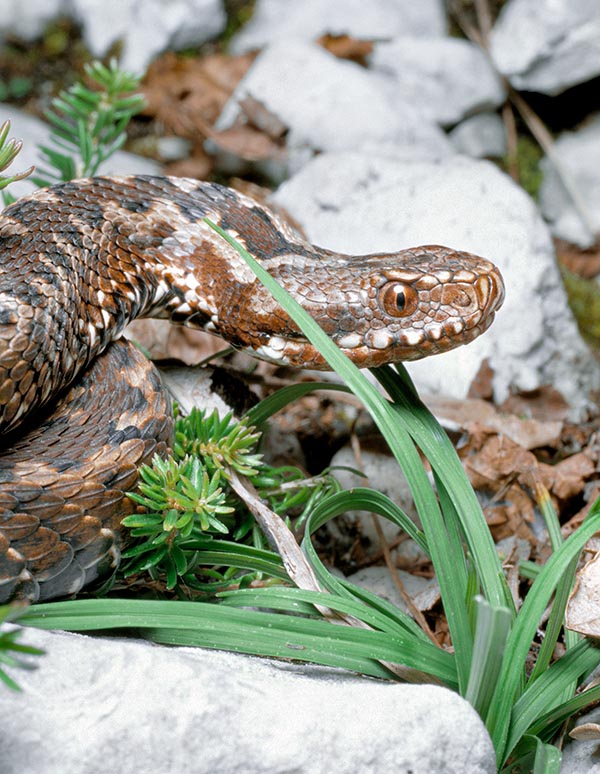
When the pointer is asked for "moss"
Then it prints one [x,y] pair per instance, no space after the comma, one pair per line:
[584,300]
[529,155]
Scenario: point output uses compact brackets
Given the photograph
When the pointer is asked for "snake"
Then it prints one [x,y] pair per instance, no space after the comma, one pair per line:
[81,408]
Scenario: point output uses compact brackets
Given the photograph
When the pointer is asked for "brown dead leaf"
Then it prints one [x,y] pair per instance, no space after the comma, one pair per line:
[247,143]
[482,385]
[187,94]
[568,477]
[586,732]
[475,416]
[545,403]
[584,263]
[345,47]
[583,609]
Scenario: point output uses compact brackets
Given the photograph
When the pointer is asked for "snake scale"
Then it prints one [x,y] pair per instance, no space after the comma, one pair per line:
[80,408]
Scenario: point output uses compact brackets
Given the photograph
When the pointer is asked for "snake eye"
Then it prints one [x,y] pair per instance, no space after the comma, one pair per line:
[398,300]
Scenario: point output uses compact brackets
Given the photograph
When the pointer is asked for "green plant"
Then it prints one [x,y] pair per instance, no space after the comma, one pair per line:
[88,124]
[9,150]
[9,646]
[491,640]
[189,502]
[16,87]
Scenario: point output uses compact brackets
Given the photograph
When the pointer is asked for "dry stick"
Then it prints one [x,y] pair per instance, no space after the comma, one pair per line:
[532,120]
[283,541]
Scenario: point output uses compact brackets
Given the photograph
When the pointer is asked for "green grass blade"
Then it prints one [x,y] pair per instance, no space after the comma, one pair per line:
[524,629]
[247,631]
[491,633]
[547,692]
[270,405]
[402,448]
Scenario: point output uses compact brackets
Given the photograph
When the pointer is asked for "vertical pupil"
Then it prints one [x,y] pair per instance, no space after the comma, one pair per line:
[400,301]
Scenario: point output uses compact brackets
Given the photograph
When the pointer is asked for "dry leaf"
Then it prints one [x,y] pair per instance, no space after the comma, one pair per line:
[583,609]
[586,732]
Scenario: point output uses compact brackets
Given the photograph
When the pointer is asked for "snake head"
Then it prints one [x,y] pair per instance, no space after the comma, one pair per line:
[378,308]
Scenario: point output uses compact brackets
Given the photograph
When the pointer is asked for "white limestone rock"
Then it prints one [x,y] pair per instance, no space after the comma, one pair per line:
[99,705]
[424,593]
[309,19]
[547,45]
[383,474]
[34,132]
[446,78]
[578,154]
[580,756]
[480,136]
[27,19]
[358,203]
[145,27]
[327,104]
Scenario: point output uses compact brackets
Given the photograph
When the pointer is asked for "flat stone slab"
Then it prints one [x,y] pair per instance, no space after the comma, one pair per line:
[99,705]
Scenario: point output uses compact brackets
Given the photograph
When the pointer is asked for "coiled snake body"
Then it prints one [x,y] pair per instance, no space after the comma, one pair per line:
[80,409]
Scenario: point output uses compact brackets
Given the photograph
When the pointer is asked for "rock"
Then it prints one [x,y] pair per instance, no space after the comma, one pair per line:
[278,19]
[547,45]
[34,132]
[580,756]
[27,19]
[360,203]
[328,104]
[447,78]
[145,27]
[481,136]
[424,593]
[576,153]
[383,474]
[128,706]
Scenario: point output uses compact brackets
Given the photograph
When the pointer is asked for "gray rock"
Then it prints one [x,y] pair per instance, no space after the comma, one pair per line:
[424,593]
[578,154]
[27,19]
[145,27]
[383,474]
[580,756]
[481,136]
[360,203]
[309,19]
[547,45]
[34,132]
[447,78]
[99,705]
[328,104]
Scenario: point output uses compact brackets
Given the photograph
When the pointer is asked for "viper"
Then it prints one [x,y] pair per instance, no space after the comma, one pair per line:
[81,408]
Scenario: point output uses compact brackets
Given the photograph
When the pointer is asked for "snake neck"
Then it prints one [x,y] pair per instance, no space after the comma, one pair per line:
[81,260]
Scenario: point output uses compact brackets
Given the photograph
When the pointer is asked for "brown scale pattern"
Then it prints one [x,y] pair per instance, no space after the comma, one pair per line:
[80,260]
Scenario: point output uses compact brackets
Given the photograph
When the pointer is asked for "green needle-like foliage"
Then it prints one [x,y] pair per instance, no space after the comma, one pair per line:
[88,123]
[9,646]
[9,150]
[221,442]
[188,502]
